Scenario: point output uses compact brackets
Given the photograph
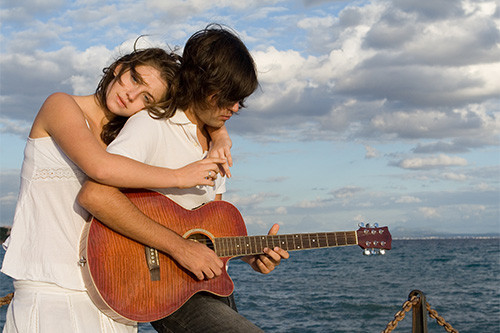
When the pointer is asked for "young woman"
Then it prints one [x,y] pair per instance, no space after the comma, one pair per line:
[66,144]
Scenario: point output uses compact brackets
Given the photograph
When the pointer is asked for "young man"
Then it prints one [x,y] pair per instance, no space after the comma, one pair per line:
[216,75]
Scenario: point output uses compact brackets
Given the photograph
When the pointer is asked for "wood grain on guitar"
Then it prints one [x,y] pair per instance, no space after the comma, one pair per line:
[129,286]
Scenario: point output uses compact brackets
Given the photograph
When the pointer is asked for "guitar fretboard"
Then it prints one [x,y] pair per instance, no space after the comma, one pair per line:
[249,245]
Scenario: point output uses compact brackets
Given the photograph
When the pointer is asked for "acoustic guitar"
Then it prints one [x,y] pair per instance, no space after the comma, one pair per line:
[131,282]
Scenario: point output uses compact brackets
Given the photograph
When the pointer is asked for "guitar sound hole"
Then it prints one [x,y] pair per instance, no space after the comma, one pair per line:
[200,238]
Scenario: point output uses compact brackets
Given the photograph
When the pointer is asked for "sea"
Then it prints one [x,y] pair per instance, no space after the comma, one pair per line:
[342,290]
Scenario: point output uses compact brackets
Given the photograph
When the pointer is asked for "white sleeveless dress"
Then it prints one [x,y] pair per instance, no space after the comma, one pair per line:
[42,250]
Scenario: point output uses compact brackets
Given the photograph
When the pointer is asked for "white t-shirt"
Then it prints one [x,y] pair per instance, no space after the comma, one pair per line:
[170,143]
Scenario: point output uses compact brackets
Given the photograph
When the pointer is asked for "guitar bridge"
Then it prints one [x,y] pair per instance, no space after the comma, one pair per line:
[153,263]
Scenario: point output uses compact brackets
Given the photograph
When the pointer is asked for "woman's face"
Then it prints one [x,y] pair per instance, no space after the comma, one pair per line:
[136,88]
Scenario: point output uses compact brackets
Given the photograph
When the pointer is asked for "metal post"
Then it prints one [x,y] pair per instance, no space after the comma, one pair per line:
[419,312]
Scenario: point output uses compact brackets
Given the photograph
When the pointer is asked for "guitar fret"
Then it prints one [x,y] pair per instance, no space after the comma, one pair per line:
[227,246]
[352,238]
[314,241]
[307,243]
[340,240]
[231,244]
[222,247]
[254,245]
[298,242]
[219,247]
[323,241]
[247,245]
[282,243]
[277,241]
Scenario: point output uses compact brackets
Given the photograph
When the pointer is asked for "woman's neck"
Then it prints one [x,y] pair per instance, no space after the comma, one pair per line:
[95,115]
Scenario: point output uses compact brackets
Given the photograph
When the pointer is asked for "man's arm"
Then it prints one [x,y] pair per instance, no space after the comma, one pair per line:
[114,209]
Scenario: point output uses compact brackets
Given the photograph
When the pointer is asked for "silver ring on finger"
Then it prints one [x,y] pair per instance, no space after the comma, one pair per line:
[210,174]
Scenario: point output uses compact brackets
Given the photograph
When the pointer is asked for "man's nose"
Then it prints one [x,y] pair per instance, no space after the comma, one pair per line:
[235,107]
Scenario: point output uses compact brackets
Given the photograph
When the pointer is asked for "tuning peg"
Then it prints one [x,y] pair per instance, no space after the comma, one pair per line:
[369,252]
[375,225]
[361,224]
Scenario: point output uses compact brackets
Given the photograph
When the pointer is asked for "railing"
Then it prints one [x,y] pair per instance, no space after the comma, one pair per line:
[417,302]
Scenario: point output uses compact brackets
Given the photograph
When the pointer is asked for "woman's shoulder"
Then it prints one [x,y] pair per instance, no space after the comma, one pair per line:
[60,101]
[61,98]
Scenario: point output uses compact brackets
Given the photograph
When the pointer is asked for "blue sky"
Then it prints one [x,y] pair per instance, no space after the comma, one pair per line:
[373,111]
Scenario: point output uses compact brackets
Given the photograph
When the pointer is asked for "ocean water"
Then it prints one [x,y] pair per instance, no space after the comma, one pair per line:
[340,290]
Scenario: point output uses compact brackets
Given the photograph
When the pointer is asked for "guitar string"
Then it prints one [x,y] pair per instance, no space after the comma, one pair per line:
[226,245]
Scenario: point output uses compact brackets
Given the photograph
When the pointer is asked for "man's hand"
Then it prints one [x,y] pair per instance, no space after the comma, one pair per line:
[267,262]
[199,260]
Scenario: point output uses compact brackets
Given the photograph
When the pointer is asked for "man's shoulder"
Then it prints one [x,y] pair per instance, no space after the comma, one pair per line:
[143,114]
[180,118]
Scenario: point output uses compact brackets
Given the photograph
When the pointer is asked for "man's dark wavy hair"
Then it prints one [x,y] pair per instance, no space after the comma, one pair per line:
[214,62]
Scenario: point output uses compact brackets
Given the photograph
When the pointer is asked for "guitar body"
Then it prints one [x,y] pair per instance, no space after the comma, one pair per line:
[115,268]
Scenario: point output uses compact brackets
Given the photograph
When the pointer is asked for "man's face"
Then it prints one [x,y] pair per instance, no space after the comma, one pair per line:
[216,116]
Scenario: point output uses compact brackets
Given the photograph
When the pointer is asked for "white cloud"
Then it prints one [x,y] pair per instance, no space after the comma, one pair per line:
[17,127]
[346,192]
[402,74]
[432,162]
[454,176]
[428,212]
[407,199]
[371,152]
[281,210]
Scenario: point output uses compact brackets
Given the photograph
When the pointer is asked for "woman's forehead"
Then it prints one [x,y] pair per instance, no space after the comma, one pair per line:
[151,78]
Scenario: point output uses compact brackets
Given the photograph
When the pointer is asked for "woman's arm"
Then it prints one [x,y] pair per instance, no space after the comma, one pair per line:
[61,118]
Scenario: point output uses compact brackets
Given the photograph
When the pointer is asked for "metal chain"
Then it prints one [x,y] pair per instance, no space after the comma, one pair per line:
[400,315]
[6,299]
[434,315]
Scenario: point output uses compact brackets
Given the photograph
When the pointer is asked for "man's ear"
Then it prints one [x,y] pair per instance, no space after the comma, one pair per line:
[213,98]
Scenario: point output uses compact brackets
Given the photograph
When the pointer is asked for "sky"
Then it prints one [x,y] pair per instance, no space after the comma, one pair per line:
[381,112]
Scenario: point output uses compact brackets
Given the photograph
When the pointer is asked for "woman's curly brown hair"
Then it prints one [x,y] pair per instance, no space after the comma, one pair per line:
[166,63]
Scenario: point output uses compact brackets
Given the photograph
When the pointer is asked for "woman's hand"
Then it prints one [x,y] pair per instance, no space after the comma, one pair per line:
[202,172]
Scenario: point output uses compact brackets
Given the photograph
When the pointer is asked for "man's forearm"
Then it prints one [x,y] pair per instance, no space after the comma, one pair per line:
[115,210]
[110,206]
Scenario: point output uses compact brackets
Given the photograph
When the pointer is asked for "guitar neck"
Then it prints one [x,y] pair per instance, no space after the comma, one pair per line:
[249,245]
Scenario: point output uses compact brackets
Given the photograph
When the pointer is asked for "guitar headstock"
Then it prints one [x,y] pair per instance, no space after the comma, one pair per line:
[374,239]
